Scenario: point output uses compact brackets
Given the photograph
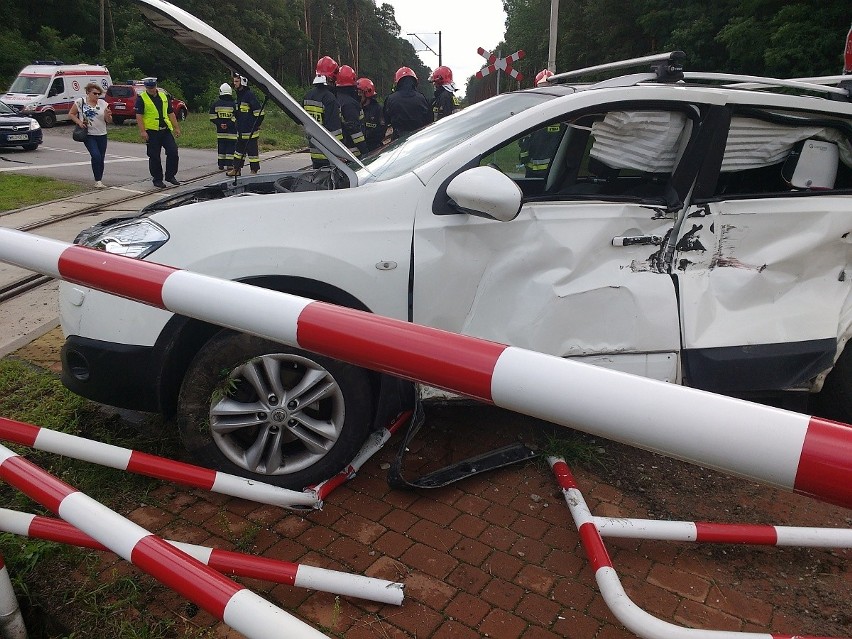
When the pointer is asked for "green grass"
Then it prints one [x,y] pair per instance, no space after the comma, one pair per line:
[278,132]
[17,191]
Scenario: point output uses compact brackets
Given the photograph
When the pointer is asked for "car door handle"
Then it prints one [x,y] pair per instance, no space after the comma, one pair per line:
[634,240]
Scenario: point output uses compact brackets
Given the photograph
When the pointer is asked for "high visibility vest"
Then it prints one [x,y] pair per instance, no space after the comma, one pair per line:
[151,115]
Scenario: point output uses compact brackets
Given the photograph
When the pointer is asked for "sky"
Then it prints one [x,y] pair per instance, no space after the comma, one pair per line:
[465,25]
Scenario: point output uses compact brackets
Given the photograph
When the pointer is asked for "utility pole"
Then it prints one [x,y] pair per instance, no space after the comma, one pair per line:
[102,38]
[551,49]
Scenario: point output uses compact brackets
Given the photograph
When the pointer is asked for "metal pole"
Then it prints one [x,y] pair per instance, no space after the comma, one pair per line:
[440,63]
[551,49]
[102,27]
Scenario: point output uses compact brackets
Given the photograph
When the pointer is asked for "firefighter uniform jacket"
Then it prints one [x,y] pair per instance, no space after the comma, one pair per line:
[352,120]
[248,114]
[406,109]
[322,106]
[222,117]
[444,103]
[375,127]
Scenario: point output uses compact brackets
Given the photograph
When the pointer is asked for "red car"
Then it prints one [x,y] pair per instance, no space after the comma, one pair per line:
[121,99]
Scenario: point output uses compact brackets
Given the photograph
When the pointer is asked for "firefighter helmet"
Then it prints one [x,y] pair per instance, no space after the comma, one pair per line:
[225,89]
[541,77]
[243,80]
[441,76]
[404,72]
[346,76]
[366,86]
[326,66]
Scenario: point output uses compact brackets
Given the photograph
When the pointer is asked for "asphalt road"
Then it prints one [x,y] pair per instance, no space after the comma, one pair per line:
[61,157]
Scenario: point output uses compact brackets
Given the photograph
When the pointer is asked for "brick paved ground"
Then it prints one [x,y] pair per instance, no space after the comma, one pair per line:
[498,556]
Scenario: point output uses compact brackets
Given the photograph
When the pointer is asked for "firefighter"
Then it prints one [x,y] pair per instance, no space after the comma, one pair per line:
[248,116]
[322,105]
[538,148]
[445,101]
[375,127]
[222,117]
[351,114]
[406,109]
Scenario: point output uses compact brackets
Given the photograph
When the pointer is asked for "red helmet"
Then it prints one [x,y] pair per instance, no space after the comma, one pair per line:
[441,76]
[366,86]
[403,72]
[326,66]
[346,76]
[541,77]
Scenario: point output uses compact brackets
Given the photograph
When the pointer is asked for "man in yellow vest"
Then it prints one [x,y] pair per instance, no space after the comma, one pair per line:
[158,126]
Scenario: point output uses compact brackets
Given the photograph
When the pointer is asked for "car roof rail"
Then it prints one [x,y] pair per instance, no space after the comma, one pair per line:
[665,67]
[748,82]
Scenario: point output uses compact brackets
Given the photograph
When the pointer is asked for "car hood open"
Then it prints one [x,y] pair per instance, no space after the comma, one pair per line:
[199,36]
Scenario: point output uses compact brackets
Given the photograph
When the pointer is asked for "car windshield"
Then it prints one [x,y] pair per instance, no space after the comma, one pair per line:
[5,108]
[406,154]
[30,84]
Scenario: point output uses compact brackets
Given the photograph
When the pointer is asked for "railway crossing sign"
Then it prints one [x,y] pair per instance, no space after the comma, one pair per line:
[496,63]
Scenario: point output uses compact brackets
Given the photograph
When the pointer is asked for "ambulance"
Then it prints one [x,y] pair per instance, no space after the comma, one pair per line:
[46,89]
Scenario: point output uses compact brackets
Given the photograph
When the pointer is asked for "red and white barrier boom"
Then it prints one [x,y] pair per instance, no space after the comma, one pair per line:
[790,450]
[133,461]
[224,561]
[237,606]
[635,619]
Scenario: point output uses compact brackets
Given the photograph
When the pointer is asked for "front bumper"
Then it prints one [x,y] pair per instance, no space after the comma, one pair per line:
[20,138]
[121,375]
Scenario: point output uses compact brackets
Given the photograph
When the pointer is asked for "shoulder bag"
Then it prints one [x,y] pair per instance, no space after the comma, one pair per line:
[80,133]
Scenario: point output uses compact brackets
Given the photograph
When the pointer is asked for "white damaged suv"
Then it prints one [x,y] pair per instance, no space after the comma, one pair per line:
[685,227]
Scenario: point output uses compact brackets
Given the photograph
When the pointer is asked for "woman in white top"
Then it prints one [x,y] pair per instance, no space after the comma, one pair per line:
[94,114]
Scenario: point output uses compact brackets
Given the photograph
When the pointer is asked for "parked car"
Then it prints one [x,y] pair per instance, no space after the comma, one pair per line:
[684,230]
[18,130]
[122,102]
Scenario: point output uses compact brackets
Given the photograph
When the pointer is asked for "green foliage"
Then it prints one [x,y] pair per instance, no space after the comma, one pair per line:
[17,191]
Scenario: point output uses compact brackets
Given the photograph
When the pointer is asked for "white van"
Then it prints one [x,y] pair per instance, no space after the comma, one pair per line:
[46,90]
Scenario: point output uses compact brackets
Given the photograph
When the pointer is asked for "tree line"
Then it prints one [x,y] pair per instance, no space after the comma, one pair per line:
[776,38]
[782,38]
[286,37]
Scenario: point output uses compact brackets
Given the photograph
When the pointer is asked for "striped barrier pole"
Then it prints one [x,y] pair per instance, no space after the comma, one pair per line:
[224,561]
[634,618]
[809,455]
[11,620]
[373,445]
[235,605]
[711,532]
[133,461]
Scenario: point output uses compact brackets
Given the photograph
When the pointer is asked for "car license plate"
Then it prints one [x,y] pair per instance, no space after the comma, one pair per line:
[119,105]
[17,136]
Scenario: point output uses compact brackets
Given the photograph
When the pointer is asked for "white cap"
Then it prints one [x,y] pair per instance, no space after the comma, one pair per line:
[320,79]
[225,89]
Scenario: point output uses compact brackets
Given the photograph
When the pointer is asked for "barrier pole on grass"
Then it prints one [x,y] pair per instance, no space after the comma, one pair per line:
[235,605]
[225,561]
[809,455]
[11,620]
[634,618]
[133,461]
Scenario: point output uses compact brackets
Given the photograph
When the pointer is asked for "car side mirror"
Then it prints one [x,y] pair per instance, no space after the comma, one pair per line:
[486,192]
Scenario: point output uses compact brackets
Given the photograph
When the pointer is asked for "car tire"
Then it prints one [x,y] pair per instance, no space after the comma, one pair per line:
[226,422]
[30,147]
[834,401]
[118,119]
[47,119]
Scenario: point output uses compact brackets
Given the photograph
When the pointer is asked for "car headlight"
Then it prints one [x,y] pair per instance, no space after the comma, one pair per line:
[34,125]
[133,238]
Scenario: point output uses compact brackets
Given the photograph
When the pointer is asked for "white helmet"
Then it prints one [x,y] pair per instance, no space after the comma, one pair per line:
[225,89]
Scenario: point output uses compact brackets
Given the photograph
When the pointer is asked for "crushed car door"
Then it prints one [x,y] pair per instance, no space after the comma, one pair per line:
[764,253]
[577,273]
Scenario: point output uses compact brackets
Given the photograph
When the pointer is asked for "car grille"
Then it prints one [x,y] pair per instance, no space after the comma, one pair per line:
[14,127]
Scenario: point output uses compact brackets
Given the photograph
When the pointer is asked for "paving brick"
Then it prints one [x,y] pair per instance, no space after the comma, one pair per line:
[468,578]
[471,504]
[429,560]
[730,600]
[574,624]
[328,611]
[317,537]
[537,609]
[682,583]
[468,609]
[360,528]
[502,594]
[399,520]
[537,579]
[530,527]
[502,625]
[418,620]
[470,551]
[469,525]
[434,511]
[503,565]
[574,594]
[500,515]
[354,555]
[455,630]
[498,537]
[537,632]
[652,599]
[530,550]
[431,534]
[367,506]
[392,544]
[697,615]
[432,592]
